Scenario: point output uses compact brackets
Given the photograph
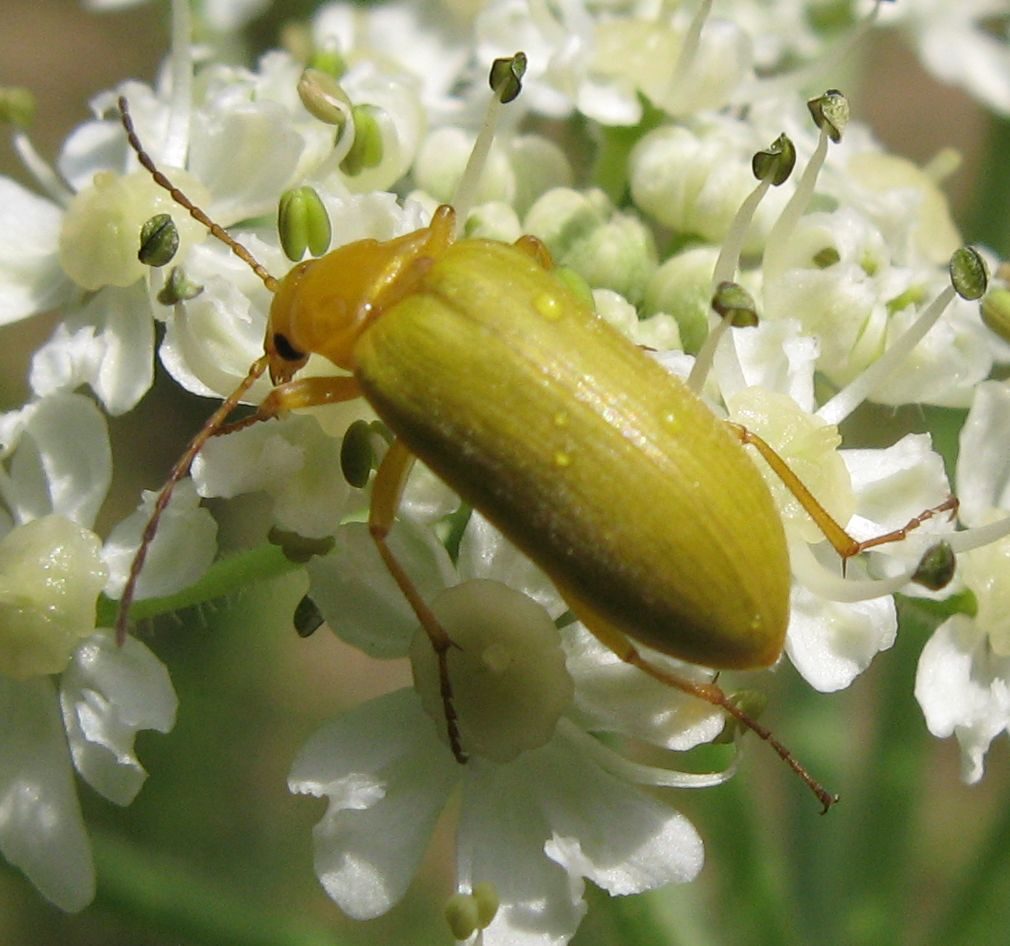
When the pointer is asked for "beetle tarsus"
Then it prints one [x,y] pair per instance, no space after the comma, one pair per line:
[716,696]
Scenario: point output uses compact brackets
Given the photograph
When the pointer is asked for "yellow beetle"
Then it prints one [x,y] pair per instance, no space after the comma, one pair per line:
[607,471]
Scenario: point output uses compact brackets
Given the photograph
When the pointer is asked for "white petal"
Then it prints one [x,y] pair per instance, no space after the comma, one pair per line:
[63,463]
[616,835]
[501,838]
[292,460]
[100,145]
[109,345]
[387,778]
[227,16]
[613,696]
[832,642]
[971,58]
[426,498]
[485,553]
[211,341]
[554,807]
[108,693]
[964,690]
[31,279]
[41,830]
[245,155]
[893,486]
[775,356]
[359,598]
[983,478]
[181,552]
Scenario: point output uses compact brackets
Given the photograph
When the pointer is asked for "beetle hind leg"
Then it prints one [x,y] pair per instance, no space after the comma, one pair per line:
[387,490]
[844,544]
[614,639]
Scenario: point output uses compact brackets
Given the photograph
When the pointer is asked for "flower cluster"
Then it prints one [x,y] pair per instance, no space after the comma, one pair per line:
[712,179]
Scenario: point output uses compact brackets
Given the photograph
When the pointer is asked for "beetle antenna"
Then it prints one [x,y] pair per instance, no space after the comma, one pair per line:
[183,201]
[179,471]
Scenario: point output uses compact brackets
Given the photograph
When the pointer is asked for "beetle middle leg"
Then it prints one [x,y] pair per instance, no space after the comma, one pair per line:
[387,490]
[844,544]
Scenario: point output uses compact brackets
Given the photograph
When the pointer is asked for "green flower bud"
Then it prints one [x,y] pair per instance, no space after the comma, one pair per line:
[462,915]
[682,287]
[936,568]
[357,457]
[51,573]
[776,162]
[366,152]
[506,77]
[576,284]
[328,61]
[830,112]
[610,250]
[17,106]
[303,223]
[323,97]
[996,312]
[968,273]
[159,240]
[178,288]
[307,617]
[735,304]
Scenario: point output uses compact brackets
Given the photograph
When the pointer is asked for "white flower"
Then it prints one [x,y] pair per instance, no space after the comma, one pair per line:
[963,679]
[69,697]
[434,55]
[80,246]
[602,61]
[544,805]
[222,16]
[956,43]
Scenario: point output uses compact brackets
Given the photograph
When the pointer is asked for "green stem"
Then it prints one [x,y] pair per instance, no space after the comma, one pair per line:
[992,192]
[751,873]
[637,921]
[879,854]
[160,894]
[978,905]
[225,577]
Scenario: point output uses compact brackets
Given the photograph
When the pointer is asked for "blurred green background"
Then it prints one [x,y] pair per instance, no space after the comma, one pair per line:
[216,851]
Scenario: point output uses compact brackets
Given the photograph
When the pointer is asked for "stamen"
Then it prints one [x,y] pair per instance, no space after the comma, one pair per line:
[806,75]
[689,50]
[835,587]
[640,774]
[735,308]
[830,111]
[771,167]
[981,535]
[44,175]
[506,83]
[858,390]
[176,143]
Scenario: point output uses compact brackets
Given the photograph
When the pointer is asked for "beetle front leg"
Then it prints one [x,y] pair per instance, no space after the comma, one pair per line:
[302,392]
[387,491]
[844,544]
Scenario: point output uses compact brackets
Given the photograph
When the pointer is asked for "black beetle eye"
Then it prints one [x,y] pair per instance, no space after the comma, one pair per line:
[285,349]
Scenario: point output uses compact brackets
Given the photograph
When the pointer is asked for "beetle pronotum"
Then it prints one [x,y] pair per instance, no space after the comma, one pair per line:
[486,366]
